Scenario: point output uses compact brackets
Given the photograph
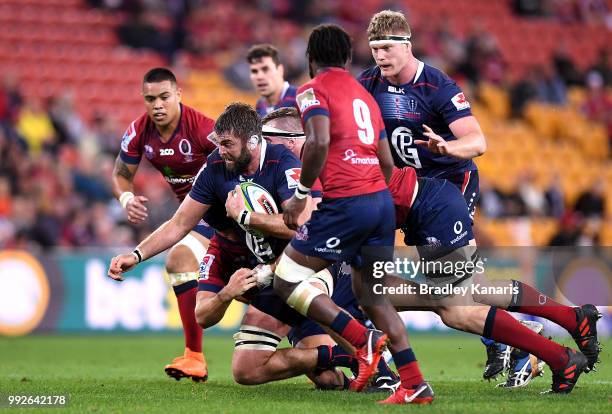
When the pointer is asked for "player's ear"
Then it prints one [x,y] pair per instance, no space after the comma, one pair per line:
[179,93]
[281,70]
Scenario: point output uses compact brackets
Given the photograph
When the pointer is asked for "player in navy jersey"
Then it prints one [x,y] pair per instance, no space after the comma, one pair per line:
[349,154]
[173,138]
[434,217]
[267,77]
[422,105]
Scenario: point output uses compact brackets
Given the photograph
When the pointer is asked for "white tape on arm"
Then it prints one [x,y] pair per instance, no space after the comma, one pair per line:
[125,198]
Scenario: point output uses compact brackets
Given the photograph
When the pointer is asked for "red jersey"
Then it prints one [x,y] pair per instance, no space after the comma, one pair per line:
[179,159]
[402,186]
[352,167]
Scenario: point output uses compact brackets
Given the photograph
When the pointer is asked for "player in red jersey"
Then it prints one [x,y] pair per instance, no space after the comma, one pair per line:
[173,137]
[347,150]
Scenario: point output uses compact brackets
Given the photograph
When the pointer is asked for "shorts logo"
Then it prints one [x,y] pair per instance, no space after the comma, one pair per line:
[129,134]
[302,233]
[332,242]
[205,266]
[460,102]
[433,242]
[293,177]
[458,227]
[307,99]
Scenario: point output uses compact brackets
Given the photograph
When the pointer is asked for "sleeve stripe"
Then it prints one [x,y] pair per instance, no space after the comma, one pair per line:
[128,159]
[315,111]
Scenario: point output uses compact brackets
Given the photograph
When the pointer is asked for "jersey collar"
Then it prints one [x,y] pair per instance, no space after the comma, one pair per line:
[419,71]
[262,153]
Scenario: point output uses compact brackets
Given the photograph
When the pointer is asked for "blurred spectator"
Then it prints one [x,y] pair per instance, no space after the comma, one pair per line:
[528,8]
[598,104]
[550,88]
[531,196]
[514,206]
[568,231]
[603,66]
[490,202]
[592,203]
[69,126]
[35,126]
[565,66]
[555,197]
[522,93]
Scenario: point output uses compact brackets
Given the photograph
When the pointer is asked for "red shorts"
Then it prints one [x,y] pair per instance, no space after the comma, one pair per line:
[222,259]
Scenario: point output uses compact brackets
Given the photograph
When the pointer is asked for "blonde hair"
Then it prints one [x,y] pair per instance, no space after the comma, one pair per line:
[388,22]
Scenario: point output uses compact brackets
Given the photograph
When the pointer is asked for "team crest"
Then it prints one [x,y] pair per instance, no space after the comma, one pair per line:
[148,152]
[460,102]
[307,99]
[128,136]
[293,177]
[185,149]
[412,105]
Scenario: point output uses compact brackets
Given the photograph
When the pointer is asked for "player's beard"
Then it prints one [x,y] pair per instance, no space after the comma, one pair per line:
[240,163]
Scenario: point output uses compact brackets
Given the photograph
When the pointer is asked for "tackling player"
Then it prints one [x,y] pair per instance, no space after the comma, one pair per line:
[267,77]
[429,209]
[349,154]
[173,138]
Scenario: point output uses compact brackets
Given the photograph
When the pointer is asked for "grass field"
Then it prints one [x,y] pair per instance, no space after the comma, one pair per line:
[124,374]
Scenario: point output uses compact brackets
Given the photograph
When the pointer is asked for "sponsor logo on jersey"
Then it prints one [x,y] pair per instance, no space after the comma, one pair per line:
[179,180]
[460,102]
[394,89]
[351,156]
[129,134]
[166,151]
[293,177]
[307,99]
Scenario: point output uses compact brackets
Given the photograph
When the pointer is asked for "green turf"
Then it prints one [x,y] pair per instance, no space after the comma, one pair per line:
[124,374]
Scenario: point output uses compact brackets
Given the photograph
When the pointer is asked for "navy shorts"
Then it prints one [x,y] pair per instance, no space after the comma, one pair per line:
[270,303]
[469,185]
[342,296]
[204,229]
[439,216]
[341,227]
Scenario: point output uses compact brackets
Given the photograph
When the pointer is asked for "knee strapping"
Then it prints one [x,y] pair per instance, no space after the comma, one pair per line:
[255,338]
[177,279]
[292,272]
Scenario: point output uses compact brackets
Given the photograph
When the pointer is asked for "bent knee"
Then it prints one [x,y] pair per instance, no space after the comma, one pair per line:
[247,369]
[181,259]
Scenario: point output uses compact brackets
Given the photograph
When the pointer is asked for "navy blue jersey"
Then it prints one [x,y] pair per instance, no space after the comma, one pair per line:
[433,99]
[277,169]
[287,100]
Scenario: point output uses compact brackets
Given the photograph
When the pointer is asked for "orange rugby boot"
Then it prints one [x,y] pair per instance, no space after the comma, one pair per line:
[190,365]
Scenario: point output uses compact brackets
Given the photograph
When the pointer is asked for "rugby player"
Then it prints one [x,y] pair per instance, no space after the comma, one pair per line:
[356,211]
[173,138]
[429,124]
[267,76]
[429,209]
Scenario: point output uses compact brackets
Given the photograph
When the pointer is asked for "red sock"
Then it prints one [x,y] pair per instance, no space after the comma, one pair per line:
[410,375]
[502,327]
[349,329]
[408,368]
[193,333]
[530,301]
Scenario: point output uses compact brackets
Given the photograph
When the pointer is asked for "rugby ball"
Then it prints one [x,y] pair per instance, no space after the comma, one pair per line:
[257,199]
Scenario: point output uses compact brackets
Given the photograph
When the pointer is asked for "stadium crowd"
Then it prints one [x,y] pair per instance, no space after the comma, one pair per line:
[55,168]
